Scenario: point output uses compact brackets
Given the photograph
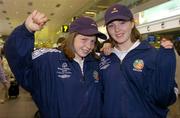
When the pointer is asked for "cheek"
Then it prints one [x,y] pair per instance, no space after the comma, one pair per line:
[128,30]
[76,45]
[92,47]
[110,30]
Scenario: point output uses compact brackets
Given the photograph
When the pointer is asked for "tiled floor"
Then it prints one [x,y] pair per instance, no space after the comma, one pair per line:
[175,110]
[22,107]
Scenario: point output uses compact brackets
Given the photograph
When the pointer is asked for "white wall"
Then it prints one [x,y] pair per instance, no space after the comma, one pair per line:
[160,25]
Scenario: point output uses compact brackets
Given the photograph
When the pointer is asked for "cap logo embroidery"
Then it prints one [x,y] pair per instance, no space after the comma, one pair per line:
[93,24]
[138,65]
[114,10]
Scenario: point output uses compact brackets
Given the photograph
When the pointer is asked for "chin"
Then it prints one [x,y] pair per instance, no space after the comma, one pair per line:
[84,55]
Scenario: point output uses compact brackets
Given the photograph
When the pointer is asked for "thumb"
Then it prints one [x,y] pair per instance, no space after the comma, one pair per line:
[29,21]
[33,13]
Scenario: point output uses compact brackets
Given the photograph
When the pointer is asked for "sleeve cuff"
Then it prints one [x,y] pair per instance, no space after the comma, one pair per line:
[26,31]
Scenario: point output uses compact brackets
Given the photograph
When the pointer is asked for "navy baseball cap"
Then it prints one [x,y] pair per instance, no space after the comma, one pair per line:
[86,26]
[118,12]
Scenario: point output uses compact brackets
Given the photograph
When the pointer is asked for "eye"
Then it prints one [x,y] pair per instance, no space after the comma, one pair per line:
[83,39]
[110,25]
[93,41]
[122,22]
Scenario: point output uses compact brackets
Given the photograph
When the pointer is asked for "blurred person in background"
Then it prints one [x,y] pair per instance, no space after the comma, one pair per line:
[4,81]
[6,67]
[59,41]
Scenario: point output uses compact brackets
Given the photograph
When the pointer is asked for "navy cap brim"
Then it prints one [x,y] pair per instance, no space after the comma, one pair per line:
[90,32]
[117,17]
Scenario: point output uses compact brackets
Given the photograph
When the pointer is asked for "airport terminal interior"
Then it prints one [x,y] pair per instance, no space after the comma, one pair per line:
[153,18]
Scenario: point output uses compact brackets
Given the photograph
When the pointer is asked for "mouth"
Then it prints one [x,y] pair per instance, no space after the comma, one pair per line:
[85,51]
[119,35]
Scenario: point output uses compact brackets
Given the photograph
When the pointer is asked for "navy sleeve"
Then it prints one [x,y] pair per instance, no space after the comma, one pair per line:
[18,51]
[165,77]
[101,84]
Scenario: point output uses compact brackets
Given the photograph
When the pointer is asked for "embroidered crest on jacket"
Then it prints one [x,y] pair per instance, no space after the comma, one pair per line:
[138,65]
[64,71]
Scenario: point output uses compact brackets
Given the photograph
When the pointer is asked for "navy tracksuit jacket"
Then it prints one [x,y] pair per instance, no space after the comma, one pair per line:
[56,84]
[140,86]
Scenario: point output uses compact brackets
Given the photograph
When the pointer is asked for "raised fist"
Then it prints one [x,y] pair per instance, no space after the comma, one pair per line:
[35,21]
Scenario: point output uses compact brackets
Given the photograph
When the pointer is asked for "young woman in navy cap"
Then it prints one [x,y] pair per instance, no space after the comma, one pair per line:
[138,79]
[63,83]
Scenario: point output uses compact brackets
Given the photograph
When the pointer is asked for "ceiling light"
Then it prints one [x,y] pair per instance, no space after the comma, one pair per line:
[102,6]
[58,32]
[30,3]
[7,18]
[1,2]
[28,12]
[4,11]
[90,12]
[58,5]
[52,14]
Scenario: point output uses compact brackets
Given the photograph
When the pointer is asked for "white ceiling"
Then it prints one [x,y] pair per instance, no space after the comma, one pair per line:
[14,12]
[59,12]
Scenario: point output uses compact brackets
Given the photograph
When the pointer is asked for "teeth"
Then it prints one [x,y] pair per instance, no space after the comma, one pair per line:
[119,35]
[85,51]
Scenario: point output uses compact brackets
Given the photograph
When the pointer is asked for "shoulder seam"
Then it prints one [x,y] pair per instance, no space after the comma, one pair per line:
[42,51]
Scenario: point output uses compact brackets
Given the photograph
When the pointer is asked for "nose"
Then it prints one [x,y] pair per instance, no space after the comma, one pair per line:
[88,45]
[117,28]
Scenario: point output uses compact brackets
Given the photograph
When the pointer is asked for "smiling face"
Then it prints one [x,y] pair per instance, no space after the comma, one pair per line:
[83,45]
[120,31]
